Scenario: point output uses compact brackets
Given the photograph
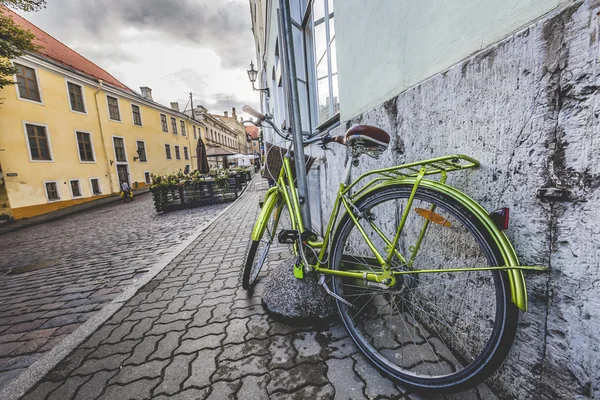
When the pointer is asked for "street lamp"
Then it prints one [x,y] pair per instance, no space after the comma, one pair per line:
[252,74]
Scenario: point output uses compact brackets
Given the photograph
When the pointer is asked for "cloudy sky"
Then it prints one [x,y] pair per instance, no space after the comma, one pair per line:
[173,46]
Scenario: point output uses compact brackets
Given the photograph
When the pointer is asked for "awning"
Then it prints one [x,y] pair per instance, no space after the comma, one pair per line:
[218,151]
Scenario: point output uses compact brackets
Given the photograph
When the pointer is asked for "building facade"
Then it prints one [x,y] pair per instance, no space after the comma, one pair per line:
[512,84]
[254,136]
[70,132]
[234,122]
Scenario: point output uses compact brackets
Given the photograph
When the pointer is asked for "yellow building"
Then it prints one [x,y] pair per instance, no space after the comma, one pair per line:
[70,132]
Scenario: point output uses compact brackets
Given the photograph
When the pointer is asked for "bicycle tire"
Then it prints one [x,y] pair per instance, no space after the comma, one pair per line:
[253,264]
[453,351]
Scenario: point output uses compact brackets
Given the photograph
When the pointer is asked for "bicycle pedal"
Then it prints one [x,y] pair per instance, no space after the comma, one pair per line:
[287,236]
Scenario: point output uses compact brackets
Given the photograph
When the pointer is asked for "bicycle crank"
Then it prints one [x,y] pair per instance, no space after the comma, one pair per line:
[329,292]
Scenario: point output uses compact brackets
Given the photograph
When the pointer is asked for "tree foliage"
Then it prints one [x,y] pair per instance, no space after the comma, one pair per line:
[14,41]
[25,5]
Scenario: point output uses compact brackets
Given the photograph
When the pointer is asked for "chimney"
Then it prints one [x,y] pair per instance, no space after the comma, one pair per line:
[225,113]
[175,106]
[233,113]
[146,92]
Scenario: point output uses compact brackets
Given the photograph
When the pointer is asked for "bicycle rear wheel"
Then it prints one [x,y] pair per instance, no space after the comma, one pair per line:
[444,331]
[259,249]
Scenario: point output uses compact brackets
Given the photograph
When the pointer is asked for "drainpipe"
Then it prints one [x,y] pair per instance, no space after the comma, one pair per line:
[110,180]
[290,63]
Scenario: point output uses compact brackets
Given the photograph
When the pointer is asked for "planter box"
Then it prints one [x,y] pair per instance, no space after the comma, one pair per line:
[179,197]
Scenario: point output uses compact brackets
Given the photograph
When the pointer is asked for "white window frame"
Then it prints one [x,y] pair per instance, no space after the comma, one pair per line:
[182,127]
[115,150]
[25,123]
[170,152]
[92,186]
[149,175]
[186,152]
[176,146]
[57,191]
[141,118]
[166,120]
[71,189]
[92,143]
[67,81]
[118,106]
[37,80]
[145,150]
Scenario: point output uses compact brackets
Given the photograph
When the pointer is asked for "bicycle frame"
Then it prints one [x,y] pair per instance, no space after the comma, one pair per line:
[413,174]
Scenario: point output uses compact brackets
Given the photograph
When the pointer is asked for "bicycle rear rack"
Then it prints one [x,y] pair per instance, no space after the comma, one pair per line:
[435,166]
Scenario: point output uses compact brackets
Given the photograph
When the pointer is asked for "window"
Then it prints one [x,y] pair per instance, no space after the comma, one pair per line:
[195,136]
[119,145]
[325,61]
[84,143]
[113,108]
[141,151]
[95,182]
[182,128]
[137,116]
[163,123]
[177,154]
[168,151]
[27,83]
[185,153]
[174,125]
[76,97]
[147,178]
[75,188]
[39,146]
[52,191]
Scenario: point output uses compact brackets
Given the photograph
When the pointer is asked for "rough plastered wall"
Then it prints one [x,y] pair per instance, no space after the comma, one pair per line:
[528,109]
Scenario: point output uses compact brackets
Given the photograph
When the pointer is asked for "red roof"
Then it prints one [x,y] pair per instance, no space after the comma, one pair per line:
[58,52]
[252,131]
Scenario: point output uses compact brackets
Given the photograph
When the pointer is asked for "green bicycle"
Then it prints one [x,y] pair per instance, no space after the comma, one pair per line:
[425,281]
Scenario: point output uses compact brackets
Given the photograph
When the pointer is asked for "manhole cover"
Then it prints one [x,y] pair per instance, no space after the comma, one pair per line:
[35,267]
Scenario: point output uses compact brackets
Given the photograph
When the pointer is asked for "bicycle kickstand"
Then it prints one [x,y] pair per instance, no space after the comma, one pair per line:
[329,292]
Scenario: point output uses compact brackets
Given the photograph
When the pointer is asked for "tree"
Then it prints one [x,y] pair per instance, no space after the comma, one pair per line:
[14,41]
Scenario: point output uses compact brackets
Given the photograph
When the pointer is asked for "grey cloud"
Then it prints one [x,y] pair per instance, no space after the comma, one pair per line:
[223,26]
[215,103]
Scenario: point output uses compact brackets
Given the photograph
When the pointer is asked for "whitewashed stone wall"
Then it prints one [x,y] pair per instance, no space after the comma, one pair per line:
[528,109]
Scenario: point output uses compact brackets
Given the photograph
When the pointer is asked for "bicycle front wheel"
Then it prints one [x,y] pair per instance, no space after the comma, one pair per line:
[441,331]
[259,249]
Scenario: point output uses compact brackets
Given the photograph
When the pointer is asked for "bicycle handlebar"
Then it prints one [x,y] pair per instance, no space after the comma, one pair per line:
[341,139]
[254,113]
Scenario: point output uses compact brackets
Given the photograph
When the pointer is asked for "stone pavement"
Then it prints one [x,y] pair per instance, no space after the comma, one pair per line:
[76,266]
[193,333]
[11,226]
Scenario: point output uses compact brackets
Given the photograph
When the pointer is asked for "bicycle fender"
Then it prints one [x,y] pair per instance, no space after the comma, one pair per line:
[515,277]
[271,199]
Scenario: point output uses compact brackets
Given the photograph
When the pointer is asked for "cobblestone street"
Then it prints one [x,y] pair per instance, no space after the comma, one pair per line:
[194,333]
[76,266]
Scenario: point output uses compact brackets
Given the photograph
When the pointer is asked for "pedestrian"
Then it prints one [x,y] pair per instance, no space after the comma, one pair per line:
[125,188]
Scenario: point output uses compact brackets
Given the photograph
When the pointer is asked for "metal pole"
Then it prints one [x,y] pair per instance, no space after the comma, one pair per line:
[290,61]
[192,104]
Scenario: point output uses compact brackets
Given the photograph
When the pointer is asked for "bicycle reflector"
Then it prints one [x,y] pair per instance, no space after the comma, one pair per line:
[433,217]
[500,217]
